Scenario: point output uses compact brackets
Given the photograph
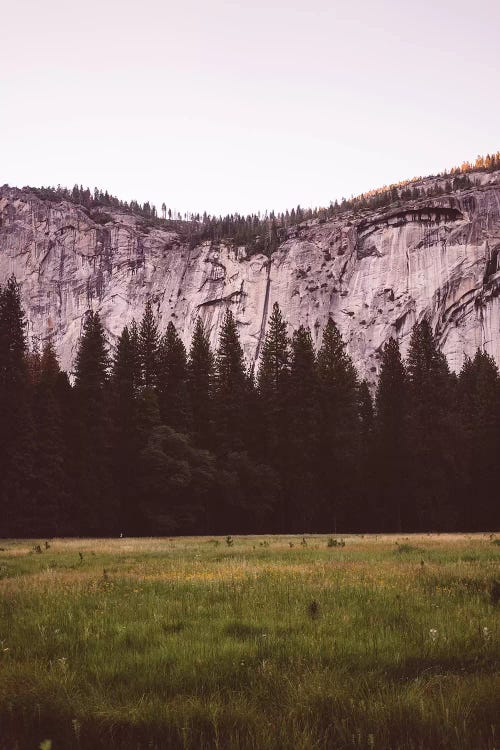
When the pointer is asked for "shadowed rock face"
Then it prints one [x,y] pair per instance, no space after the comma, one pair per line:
[376,273]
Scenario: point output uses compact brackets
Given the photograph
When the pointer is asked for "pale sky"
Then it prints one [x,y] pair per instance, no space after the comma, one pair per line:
[244,106]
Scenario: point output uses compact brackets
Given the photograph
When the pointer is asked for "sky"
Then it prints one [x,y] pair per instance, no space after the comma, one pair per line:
[244,106]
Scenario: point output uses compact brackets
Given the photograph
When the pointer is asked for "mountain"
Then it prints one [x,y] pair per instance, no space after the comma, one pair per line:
[376,271]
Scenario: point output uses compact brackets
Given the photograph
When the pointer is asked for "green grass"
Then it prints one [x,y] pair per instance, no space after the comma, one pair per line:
[194,643]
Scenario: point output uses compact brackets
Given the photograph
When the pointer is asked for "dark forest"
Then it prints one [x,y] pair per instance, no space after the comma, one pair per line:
[151,439]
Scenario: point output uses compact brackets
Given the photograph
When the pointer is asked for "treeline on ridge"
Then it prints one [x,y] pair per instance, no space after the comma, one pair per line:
[155,440]
[263,233]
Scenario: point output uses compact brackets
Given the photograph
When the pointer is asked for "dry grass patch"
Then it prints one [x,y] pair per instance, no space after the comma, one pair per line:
[268,642]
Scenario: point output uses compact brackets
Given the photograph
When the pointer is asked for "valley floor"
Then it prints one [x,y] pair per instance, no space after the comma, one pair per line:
[251,642]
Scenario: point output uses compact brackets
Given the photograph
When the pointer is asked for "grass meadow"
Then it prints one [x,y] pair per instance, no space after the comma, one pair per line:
[253,642]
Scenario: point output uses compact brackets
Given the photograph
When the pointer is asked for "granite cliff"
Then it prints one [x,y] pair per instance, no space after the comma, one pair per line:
[375,272]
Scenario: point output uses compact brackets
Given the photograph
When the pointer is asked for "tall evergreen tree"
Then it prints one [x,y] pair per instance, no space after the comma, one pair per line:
[92,358]
[51,481]
[274,363]
[200,381]
[16,427]
[302,435]
[124,375]
[392,457]
[230,388]
[172,388]
[93,485]
[366,466]
[272,380]
[125,391]
[148,347]
[339,428]
[479,398]
[50,371]
[13,347]
[433,466]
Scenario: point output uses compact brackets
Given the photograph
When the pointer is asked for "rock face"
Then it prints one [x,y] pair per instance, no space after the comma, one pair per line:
[376,273]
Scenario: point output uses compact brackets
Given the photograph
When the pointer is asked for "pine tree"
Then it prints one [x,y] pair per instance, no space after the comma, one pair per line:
[230,387]
[274,364]
[50,372]
[148,347]
[366,468]
[124,375]
[479,398]
[125,391]
[392,457]
[200,381]
[433,465]
[172,381]
[338,387]
[93,487]
[13,347]
[16,426]
[92,358]
[272,380]
[51,485]
[302,435]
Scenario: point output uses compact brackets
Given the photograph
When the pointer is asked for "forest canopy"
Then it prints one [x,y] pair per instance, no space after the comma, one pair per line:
[152,439]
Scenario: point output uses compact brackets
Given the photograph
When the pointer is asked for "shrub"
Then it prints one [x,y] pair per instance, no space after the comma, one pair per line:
[335,542]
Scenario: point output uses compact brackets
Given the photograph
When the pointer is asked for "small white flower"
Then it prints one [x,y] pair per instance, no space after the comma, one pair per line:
[486,634]
[433,633]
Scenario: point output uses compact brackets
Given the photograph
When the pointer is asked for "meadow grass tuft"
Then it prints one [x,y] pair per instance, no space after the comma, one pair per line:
[264,642]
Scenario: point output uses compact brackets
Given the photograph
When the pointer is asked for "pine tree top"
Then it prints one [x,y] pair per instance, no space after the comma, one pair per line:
[92,360]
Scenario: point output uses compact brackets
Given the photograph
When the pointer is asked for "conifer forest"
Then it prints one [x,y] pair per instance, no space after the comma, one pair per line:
[146,438]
